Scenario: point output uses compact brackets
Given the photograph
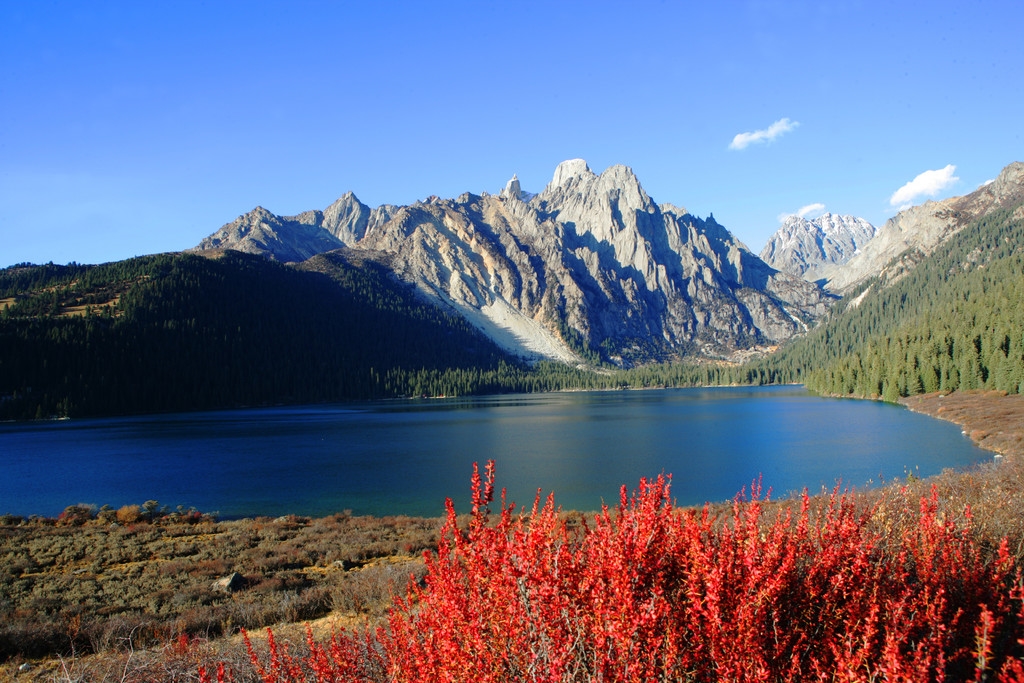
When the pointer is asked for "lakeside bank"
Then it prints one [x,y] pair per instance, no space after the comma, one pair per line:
[994,420]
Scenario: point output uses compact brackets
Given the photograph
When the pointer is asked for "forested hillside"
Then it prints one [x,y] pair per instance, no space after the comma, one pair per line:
[185,332]
[176,332]
[956,321]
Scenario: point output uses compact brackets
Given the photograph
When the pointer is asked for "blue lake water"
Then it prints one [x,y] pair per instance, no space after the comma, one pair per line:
[406,457]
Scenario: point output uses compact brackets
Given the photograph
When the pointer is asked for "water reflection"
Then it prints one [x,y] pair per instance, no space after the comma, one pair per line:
[407,456]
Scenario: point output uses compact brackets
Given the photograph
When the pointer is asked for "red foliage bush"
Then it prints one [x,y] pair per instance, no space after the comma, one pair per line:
[653,593]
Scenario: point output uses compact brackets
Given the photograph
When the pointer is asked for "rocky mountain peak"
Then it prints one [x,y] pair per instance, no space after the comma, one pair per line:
[590,263]
[622,180]
[512,188]
[1010,178]
[1008,187]
[294,238]
[570,170]
[613,208]
[574,184]
[806,247]
[347,219]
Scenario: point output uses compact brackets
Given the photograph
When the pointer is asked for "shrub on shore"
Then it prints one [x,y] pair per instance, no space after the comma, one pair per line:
[649,592]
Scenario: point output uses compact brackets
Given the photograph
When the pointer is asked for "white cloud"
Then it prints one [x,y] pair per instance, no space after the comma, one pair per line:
[803,211]
[810,208]
[743,140]
[927,184]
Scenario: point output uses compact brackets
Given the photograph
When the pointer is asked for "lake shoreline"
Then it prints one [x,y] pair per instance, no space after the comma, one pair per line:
[993,420]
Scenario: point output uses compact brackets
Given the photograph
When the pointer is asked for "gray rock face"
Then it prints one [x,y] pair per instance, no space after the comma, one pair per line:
[287,239]
[230,583]
[591,261]
[512,189]
[347,219]
[804,248]
[906,238]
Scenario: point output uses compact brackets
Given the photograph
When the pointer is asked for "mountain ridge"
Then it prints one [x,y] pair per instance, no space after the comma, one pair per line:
[590,266]
[180,332]
[914,233]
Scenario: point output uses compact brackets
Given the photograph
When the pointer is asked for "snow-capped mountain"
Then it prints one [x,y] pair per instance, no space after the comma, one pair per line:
[806,247]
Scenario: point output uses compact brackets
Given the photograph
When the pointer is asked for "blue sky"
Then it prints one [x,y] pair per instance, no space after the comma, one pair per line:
[130,128]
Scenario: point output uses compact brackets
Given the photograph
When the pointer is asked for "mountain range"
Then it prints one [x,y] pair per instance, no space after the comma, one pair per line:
[590,268]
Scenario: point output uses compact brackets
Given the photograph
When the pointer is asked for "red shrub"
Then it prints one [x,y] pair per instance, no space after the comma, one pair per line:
[344,658]
[649,592]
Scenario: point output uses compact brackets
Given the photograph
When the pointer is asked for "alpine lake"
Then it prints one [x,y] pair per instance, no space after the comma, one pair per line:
[405,457]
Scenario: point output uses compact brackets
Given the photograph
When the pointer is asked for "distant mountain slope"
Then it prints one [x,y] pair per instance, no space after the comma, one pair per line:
[913,234]
[590,267]
[805,247]
[296,238]
[286,239]
[185,332]
[954,322]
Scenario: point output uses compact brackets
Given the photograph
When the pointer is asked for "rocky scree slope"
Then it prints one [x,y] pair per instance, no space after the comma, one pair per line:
[590,265]
[913,234]
[805,247]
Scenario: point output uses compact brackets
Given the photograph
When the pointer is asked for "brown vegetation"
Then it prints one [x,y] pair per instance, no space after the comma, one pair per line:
[87,583]
[992,419]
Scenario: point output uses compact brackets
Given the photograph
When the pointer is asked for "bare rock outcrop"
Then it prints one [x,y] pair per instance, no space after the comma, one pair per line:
[286,239]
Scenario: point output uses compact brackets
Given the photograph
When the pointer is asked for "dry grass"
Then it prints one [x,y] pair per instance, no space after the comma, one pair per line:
[992,419]
[81,310]
[80,587]
[994,491]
